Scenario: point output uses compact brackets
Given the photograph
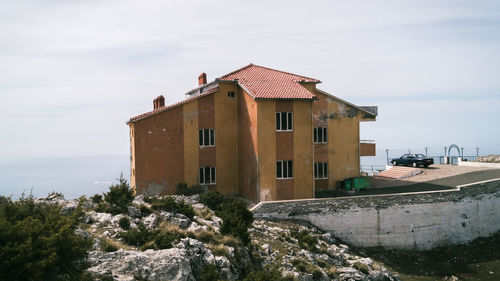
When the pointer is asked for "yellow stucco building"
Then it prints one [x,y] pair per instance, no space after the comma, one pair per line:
[256,132]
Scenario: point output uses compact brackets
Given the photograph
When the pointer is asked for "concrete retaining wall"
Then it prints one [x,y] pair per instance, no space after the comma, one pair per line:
[404,221]
[478,164]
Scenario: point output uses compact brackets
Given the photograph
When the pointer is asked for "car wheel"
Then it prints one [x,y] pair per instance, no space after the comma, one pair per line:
[415,164]
[425,166]
[394,163]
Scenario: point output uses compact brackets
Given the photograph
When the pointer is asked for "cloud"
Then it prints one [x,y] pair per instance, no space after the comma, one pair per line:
[73,72]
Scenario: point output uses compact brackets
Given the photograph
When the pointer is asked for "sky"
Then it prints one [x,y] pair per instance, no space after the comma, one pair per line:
[73,72]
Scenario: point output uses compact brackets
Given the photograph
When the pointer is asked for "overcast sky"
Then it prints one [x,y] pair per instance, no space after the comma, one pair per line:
[73,71]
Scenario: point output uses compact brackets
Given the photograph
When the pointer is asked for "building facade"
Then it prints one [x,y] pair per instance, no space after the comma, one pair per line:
[256,132]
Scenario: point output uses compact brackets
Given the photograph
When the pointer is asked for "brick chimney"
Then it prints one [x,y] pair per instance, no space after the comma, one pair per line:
[202,79]
[159,102]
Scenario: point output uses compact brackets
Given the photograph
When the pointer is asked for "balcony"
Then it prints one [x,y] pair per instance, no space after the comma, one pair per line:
[366,148]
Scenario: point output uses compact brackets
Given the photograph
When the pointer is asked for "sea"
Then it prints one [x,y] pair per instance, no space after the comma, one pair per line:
[77,176]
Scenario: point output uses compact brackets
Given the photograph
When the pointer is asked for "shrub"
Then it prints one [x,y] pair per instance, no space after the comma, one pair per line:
[137,236]
[151,239]
[183,189]
[145,210]
[166,239]
[38,242]
[168,204]
[362,267]
[124,223]
[119,196]
[96,198]
[317,274]
[300,265]
[236,219]
[213,199]
[266,274]
[209,273]
[305,240]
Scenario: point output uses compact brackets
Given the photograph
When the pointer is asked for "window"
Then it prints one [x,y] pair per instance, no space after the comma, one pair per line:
[206,137]
[207,175]
[320,135]
[284,169]
[230,94]
[284,121]
[321,170]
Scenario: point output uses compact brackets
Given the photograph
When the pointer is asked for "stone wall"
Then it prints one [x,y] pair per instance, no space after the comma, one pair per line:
[403,221]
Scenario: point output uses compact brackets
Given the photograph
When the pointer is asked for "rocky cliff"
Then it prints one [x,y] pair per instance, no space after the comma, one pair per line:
[194,246]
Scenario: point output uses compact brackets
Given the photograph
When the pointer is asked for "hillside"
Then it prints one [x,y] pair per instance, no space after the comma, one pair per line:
[179,238]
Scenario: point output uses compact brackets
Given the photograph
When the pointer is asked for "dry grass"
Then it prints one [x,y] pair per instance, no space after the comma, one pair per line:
[206,236]
[204,213]
[230,240]
[218,250]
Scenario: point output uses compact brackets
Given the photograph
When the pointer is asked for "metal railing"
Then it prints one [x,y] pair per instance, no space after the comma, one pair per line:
[372,169]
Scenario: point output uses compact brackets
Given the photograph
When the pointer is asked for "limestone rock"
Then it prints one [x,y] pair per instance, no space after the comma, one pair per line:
[168,264]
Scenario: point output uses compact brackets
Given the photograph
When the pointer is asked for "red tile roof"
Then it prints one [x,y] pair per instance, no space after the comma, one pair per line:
[267,83]
[161,109]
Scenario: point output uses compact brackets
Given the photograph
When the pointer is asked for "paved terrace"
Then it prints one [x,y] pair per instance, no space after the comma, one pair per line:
[433,178]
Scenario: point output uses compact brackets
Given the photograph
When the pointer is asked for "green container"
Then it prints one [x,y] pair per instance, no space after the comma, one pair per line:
[347,184]
[356,183]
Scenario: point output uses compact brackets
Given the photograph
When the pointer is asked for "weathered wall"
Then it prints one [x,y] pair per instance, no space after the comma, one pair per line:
[412,221]
[191,150]
[226,139]
[343,143]
[266,140]
[342,150]
[302,153]
[159,152]
[247,146]
[284,151]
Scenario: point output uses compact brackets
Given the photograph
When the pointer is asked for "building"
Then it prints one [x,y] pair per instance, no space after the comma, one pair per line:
[256,132]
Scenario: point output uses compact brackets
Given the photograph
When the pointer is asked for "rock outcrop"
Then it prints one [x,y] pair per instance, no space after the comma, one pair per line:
[303,252]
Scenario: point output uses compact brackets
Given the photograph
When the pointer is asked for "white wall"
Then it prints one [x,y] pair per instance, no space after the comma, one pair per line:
[418,222]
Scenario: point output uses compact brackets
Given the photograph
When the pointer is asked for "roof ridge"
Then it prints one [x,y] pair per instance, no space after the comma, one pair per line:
[237,70]
[175,104]
[289,73]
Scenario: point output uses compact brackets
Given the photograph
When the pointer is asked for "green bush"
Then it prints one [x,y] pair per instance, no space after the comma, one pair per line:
[267,274]
[236,219]
[306,241]
[166,240]
[119,197]
[213,199]
[38,242]
[168,204]
[183,189]
[124,223]
[137,236]
[361,267]
[317,274]
[97,198]
[209,273]
[150,239]
[145,210]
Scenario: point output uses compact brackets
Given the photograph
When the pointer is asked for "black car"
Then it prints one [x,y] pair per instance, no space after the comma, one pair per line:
[414,160]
